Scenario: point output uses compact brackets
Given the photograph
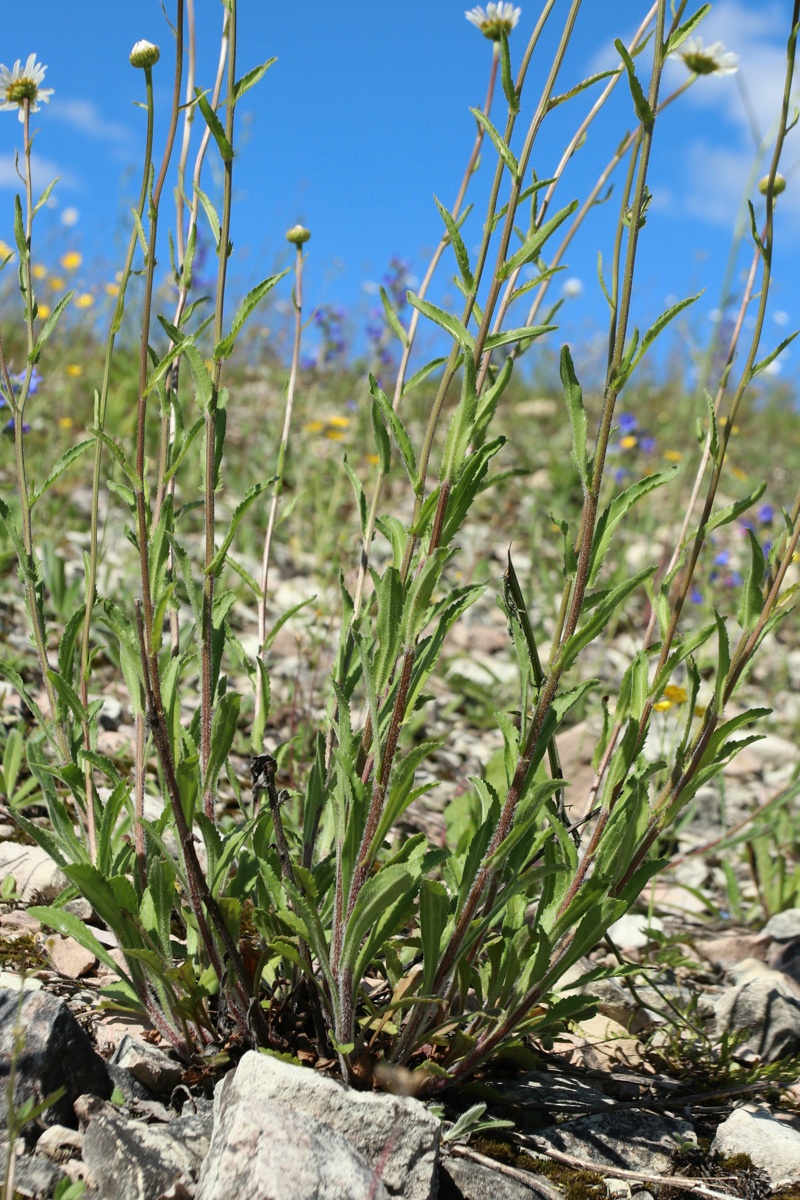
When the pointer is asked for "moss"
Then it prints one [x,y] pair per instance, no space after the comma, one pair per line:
[20,952]
[575,1184]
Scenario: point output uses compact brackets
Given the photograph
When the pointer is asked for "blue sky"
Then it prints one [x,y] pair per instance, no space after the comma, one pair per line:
[365,116]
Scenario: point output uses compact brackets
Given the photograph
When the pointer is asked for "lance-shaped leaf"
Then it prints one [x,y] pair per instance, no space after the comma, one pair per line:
[215,125]
[250,79]
[457,242]
[506,336]
[764,362]
[252,493]
[459,433]
[395,323]
[60,466]
[636,356]
[685,30]
[422,374]
[211,214]
[752,600]
[251,300]
[439,316]
[600,614]
[223,731]
[532,245]
[417,609]
[643,110]
[731,511]
[398,430]
[573,394]
[616,510]
[49,326]
[500,146]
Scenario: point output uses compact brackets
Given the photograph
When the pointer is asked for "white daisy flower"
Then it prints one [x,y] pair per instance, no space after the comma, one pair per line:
[494,20]
[23,83]
[708,60]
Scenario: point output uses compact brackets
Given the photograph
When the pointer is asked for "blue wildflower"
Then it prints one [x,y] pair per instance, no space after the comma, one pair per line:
[627,423]
[766,514]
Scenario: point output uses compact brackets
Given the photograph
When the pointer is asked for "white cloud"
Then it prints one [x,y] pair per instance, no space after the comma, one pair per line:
[85,117]
[44,172]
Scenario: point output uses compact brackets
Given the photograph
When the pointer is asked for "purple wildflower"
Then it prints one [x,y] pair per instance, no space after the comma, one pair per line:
[627,423]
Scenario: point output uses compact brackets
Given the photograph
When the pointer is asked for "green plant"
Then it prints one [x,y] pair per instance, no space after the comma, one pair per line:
[313,918]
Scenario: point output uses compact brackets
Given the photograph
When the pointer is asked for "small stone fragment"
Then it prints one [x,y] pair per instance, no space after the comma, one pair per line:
[68,957]
[772,1145]
[37,877]
[149,1065]
[769,1013]
[59,1144]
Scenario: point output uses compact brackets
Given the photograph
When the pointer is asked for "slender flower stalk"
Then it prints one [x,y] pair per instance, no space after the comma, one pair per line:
[223,251]
[297,236]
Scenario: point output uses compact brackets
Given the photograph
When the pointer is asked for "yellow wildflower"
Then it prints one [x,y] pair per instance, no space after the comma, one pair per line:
[112,289]
[678,695]
[334,435]
[71,260]
[662,705]
[44,311]
[39,271]
[85,300]
[738,473]
[57,283]
[373,460]
[65,422]
[74,370]
[627,443]
[5,249]
[314,427]
[673,455]
[339,422]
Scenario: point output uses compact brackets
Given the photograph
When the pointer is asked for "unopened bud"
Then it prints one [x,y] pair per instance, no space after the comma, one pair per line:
[144,54]
[778,185]
[298,235]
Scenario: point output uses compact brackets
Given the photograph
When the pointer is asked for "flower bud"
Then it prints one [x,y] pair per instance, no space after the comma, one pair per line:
[778,185]
[144,54]
[298,235]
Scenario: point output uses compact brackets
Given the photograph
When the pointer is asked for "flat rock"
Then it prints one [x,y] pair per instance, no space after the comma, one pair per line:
[783,926]
[133,1161]
[37,877]
[728,950]
[772,1145]
[56,1053]
[68,957]
[633,931]
[265,1151]
[768,1012]
[397,1135]
[463,1179]
[59,1144]
[635,1141]
[149,1065]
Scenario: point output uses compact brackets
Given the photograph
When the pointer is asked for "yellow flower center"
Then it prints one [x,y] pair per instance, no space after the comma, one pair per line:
[21,90]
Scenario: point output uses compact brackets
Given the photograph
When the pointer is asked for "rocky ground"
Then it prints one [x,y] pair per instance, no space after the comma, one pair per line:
[689,1065]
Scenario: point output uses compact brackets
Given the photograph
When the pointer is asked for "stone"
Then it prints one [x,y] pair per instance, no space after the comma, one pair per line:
[772,1145]
[396,1135]
[37,877]
[632,932]
[728,950]
[59,1144]
[56,1053]
[768,1012]
[68,957]
[110,714]
[539,1091]
[464,1179]
[783,926]
[634,1141]
[612,998]
[271,1152]
[35,1177]
[149,1065]
[132,1161]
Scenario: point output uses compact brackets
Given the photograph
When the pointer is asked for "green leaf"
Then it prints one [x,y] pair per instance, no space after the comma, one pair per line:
[532,245]
[445,320]
[398,430]
[434,910]
[419,376]
[211,214]
[732,511]
[643,110]
[224,347]
[462,424]
[49,326]
[500,146]
[751,602]
[581,87]
[59,468]
[252,494]
[69,925]
[679,36]
[600,614]
[509,91]
[19,232]
[393,319]
[457,242]
[573,394]
[417,608]
[374,915]
[507,336]
[764,362]
[616,510]
[215,125]
[203,383]
[45,196]
[250,79]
